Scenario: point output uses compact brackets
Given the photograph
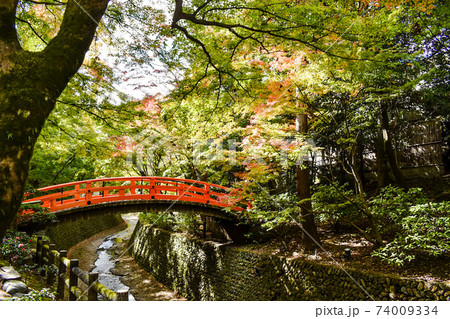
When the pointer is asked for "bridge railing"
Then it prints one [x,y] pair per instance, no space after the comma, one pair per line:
[97,191]
[66,273]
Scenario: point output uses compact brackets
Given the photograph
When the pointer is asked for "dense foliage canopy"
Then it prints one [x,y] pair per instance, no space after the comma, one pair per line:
[258,95]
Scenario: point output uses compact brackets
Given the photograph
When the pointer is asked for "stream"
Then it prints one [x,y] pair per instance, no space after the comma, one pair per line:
[105,261]
[108,255]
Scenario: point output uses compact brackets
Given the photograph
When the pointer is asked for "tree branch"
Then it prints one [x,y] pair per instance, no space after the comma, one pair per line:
[78,138]
[208,55]
[7,18]
[66,51]
[54,3]
[179,14]
[201,7]
[9,42]
[32,29]
[106,120]
[70,160]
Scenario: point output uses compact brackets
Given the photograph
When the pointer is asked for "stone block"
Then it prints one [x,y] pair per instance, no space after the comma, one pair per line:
[8,273]
[4,295]
[13,287]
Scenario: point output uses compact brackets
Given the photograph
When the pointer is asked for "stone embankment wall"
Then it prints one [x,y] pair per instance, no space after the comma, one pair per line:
[74,228]
[202,270]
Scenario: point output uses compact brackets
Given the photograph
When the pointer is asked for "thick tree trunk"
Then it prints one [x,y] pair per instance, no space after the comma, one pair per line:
[30,83]
[26,100]
[311,237]
[389,147]
[388,170]
[16,151]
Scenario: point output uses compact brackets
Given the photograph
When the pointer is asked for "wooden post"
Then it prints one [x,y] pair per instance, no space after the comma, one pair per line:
[61,275]
[122,295]
[37,257]
[43,256]
[77,192]
[207,194]
[92,293]
[152,190]
[51,261]
[88,193]
[73,279]
[62,192]
[51,203]
[133,187]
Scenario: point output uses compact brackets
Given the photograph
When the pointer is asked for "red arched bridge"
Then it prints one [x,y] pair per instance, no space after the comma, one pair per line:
[118,190]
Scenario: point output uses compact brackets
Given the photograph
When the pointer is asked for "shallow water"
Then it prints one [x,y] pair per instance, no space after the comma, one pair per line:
[105,261]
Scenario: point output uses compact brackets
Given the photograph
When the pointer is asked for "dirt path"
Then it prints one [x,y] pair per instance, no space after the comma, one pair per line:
[142,285]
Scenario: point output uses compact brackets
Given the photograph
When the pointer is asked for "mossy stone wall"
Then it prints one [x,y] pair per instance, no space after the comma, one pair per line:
[74,228]
[202,270]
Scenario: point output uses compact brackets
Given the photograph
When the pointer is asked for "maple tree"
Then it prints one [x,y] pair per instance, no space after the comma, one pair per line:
[30,83]
[244,71]
[363,71]
[43,45]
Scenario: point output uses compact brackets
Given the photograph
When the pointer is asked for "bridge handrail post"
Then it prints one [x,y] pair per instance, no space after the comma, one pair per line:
[88,192]
[51,203]
[77,192]
[51,261]
[122,295]
[152,184]
[62,192]
[44,260]
[73,279]
[61,274]
[133,187]
[37,255]
[207,193]
[92,292]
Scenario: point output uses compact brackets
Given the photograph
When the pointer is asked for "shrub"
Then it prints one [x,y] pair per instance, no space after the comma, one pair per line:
[164,221]
[335,204]
[424,230]
[187,222]
[392,205]
[44,294]
[408,224]
[274,209]
[16,246]
[34,213]
[172,221]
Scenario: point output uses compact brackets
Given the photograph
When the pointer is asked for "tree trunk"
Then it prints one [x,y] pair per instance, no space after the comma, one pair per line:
[30,83]
[383,178]
[18,136]
[389,147]
[360,164]
[386,157]
[311,237]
